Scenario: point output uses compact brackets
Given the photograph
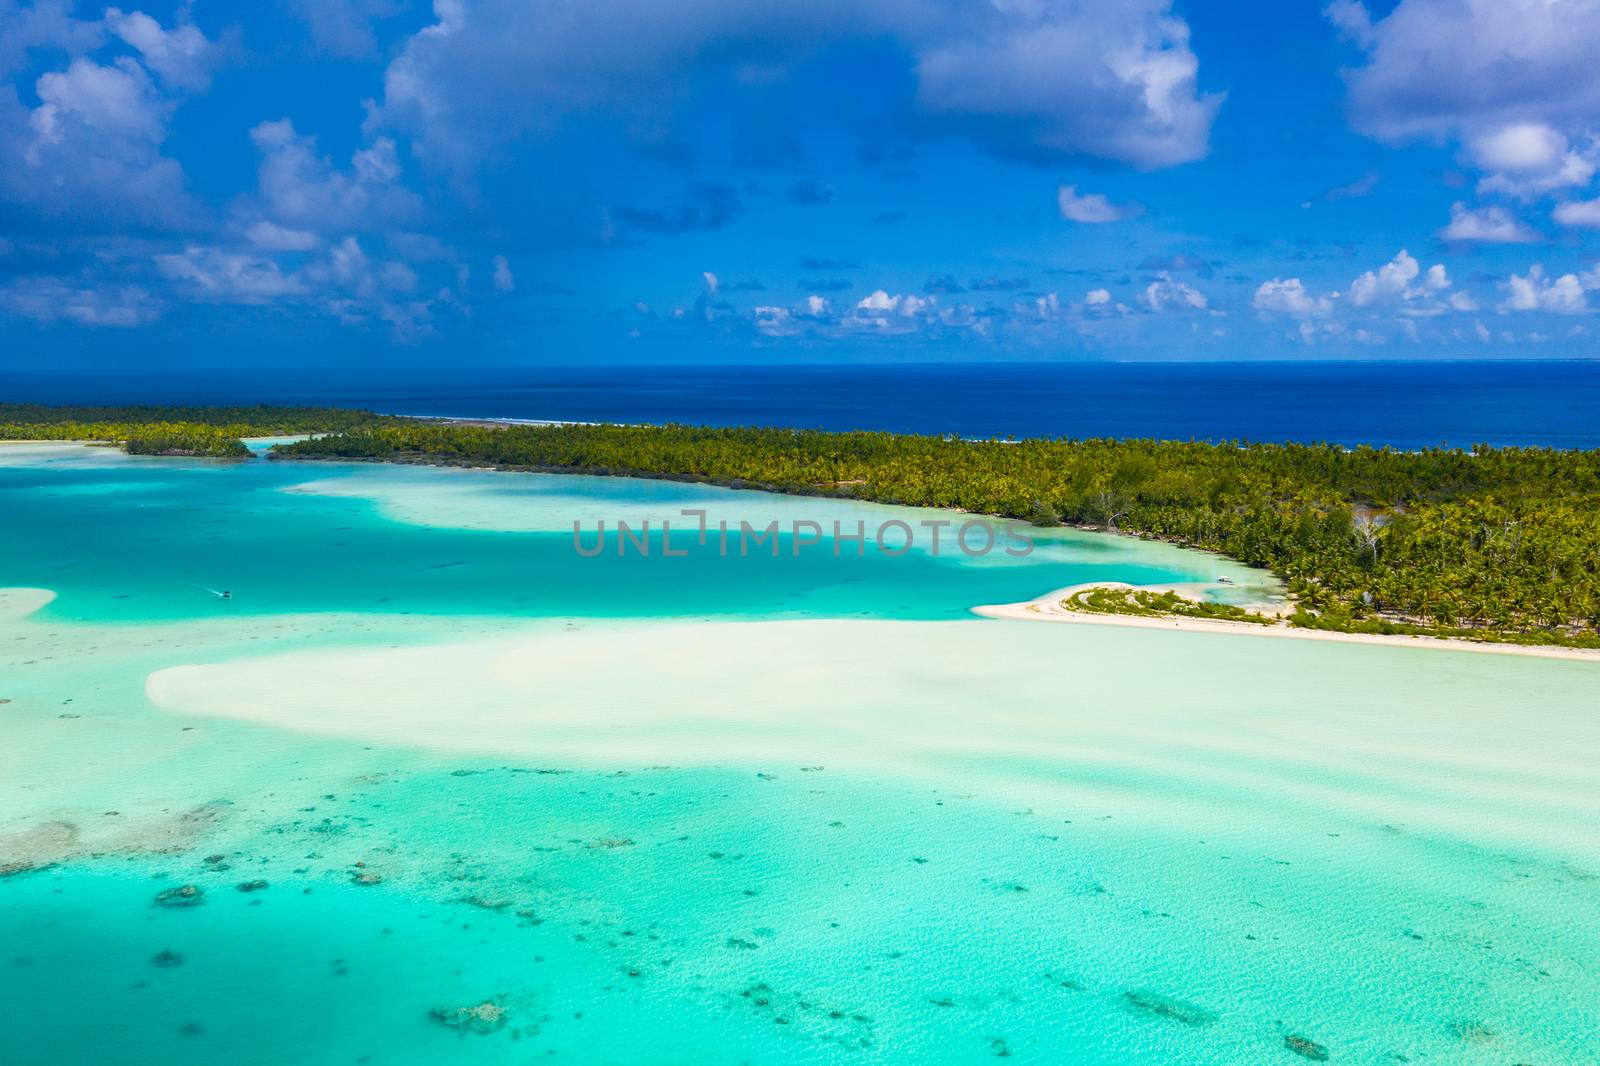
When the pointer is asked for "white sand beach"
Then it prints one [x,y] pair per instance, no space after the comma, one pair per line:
[1051,608]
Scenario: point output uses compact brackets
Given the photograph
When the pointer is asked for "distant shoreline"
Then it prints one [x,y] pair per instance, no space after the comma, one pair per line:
[1049,608]
[489,421]
[1046,608]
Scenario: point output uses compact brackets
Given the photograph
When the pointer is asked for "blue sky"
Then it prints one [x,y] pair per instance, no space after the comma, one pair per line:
[352,182]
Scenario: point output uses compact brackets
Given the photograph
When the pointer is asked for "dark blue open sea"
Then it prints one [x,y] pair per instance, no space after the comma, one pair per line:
[1406,404]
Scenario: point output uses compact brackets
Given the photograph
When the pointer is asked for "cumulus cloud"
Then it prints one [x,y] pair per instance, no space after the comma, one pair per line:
[92,147]
[1579,213]
[1168,294]
[1092,207]
[181,56]
[1447,67]
[1534,292]
[1106,81]
[1486,225]
[343,281]
[118,100]
[90,150]
[882,311]
[299,188]
[44,24]
[1114,81]
[1288,296]
[1399,287]
[1514,81]
[1392,281]
[775,321]
[1529,159]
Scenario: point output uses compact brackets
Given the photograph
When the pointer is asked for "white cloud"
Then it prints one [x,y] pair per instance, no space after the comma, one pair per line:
[1288,296]
[1487,225]
[1097,298]
[1579,213]
[47,26]
[48,299]
[1533,292]
[181,56]
[231,277]
[1522,146]
[90,150]
[504,281]
[1092,207]
[1400,287]
[271,237]
[775,321]
[1514,81]
[1115,81]
[115,101]
[1390,282]
[301,189]
[1353,20]
[891,313]
[1471,67]
[1167,293]
[1109,81]
[818,306]
[344,281]
[1529,159]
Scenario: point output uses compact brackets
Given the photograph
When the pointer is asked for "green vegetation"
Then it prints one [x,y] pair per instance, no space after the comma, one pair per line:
[1148,604]
[151,430]
[1488,543]
[180,439]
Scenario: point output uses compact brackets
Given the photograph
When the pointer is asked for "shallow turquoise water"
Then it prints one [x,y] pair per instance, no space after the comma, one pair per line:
[143,540]
[936,840]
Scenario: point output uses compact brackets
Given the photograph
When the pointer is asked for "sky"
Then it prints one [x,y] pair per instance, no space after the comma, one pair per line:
[520,182]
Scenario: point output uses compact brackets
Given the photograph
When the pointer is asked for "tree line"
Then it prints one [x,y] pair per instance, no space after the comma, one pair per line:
[165,430]
[1487,540]
[1498,542]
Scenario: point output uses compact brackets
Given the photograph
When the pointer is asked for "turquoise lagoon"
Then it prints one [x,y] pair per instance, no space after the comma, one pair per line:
[742,809]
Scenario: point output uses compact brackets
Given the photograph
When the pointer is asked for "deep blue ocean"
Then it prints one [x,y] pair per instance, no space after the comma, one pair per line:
[1405,404]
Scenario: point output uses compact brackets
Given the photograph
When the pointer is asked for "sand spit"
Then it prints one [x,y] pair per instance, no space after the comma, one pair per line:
[1051,608]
